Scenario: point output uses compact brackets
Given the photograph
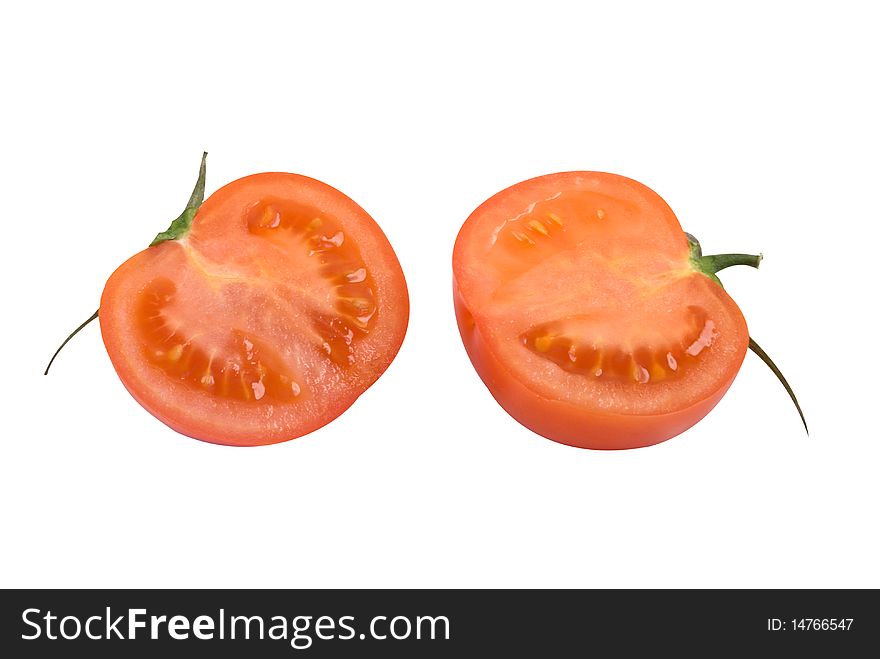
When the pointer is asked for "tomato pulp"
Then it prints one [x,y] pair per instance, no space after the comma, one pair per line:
[587,313]
[265,320]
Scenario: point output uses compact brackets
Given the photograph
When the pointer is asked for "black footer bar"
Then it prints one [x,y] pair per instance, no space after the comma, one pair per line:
[427,623]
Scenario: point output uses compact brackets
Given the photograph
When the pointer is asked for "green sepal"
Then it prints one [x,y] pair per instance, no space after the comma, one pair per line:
[764,357]
[181,225]
[70,336]
[179,228]
[709,265]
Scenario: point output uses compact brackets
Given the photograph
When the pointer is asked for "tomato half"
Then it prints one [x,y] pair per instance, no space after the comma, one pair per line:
[584,311]
[281,305]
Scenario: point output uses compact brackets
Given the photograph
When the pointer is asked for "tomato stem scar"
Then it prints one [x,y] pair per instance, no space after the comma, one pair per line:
[72,334]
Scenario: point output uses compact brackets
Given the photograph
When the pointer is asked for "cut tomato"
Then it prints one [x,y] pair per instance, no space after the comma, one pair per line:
[260,315]
[590,316]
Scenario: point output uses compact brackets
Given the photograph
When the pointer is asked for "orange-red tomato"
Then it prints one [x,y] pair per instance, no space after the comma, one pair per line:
[584,311]
[280,306]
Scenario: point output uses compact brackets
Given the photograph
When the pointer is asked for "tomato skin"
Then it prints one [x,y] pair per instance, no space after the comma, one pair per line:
[566,423]
[220,237]
[563,421]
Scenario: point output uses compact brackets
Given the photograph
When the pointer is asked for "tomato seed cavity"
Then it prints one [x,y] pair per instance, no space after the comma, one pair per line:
[305,229]
[565,343]
[243,369]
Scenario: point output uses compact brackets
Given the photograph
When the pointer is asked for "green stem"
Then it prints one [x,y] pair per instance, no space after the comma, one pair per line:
[718,262]
[710,265]
[755,348]
[72,334]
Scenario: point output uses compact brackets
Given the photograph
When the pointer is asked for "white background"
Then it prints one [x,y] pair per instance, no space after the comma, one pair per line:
[759,126]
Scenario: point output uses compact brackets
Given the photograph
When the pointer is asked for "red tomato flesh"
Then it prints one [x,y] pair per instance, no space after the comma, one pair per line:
[282,305]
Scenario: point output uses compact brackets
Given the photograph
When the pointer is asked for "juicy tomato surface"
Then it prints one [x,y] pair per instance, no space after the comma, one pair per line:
[282,304]
[583,314]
